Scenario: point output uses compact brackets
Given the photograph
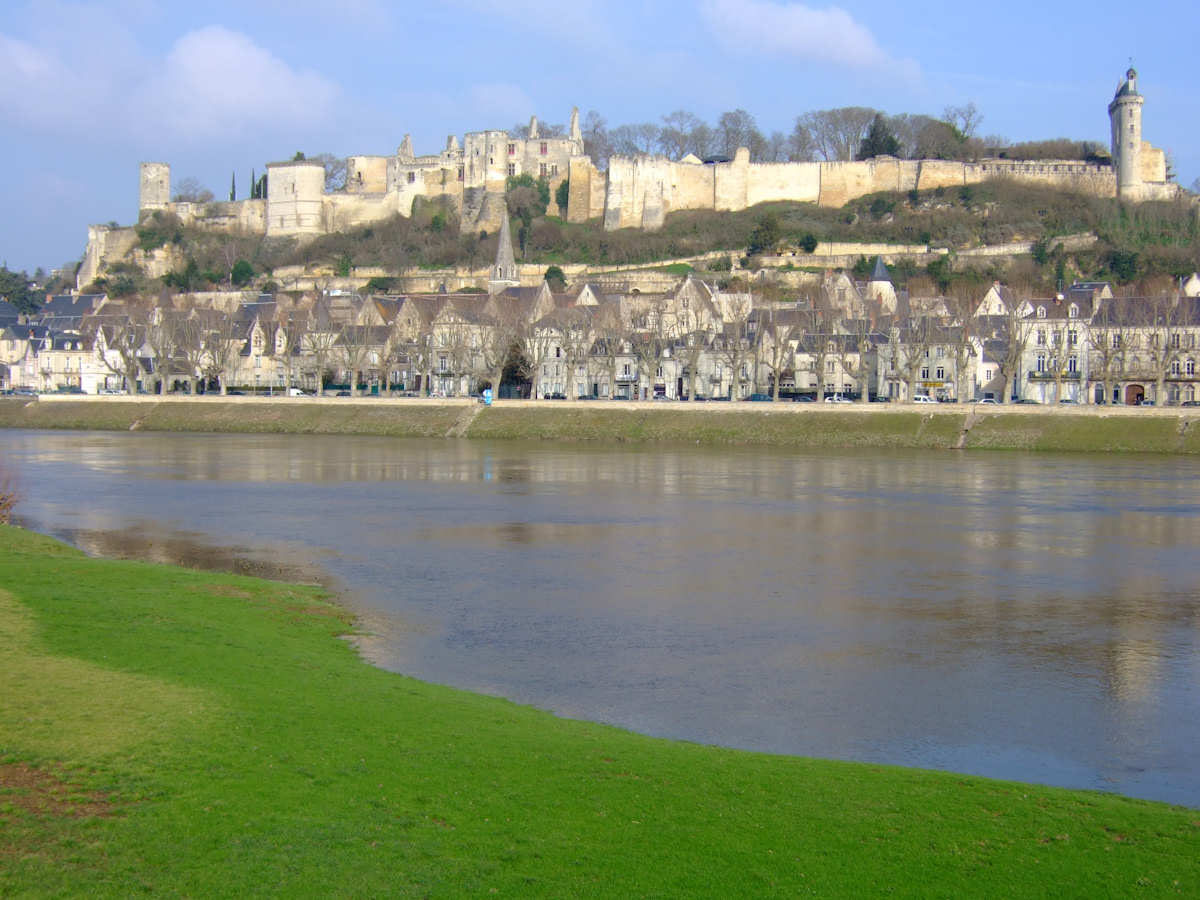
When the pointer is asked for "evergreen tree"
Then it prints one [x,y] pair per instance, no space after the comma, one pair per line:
[232,186]
[879,140]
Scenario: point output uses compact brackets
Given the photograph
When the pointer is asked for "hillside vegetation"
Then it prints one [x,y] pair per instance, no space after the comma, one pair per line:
[1135,243]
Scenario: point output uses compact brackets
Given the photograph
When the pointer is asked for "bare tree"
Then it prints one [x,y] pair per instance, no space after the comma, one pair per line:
[733,344]
[961,342]
[223,344]
[1108,344]
[738,129]
[775,340]
[162,337]
[836,134]
[675,138]
[966,118]
[190,190]
[634,140]
[596,141]
[1013,336]
[320,345]
[120,339]
[354,346]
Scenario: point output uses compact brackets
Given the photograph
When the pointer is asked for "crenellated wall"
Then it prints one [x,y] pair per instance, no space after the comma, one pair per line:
[640,191]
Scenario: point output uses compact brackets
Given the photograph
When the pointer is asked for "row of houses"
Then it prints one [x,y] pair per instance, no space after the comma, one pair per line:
[859,340]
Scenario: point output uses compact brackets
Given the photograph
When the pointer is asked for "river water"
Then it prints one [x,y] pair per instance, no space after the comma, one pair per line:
[1020,616]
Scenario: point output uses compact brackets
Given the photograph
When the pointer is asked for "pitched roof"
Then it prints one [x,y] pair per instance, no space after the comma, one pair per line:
[880,272]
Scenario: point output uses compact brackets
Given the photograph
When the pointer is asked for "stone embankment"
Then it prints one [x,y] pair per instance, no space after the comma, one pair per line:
[791,425]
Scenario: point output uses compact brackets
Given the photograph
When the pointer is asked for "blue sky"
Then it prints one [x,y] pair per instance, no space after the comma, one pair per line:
[87,90]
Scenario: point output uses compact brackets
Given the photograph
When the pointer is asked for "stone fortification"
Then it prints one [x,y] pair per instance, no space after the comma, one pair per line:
[641,191]
[635,192]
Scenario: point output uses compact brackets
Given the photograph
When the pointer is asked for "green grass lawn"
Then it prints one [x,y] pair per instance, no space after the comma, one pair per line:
[168,731]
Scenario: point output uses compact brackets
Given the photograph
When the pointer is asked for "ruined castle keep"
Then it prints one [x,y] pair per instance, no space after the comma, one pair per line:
[634,192]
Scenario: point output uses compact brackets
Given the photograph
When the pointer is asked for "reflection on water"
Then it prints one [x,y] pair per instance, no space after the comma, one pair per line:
[1020,616]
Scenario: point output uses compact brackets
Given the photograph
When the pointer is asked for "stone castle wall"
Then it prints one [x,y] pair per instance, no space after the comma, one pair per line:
[640,191]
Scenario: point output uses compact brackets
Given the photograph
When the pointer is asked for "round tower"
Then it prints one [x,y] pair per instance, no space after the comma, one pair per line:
[154,186]
[1125,114]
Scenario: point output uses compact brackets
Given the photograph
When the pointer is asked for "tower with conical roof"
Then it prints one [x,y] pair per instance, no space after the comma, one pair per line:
[504,272]
[1125,114]
[881,289]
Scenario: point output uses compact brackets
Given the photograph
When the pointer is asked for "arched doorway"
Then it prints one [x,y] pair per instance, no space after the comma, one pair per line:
[1134,394]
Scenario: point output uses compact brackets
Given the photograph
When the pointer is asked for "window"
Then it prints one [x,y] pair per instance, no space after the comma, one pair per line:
[829,366]
[543,149]
[412,176]
[1176,369]
[658,372]
[1041,337]
[1041,362]
[1072,311]
[1072,338]
[1072,364]
[987,374]
[1116,342]
[924,373]
[941,351]
[553,169]
[1175,340]
[557,352]
[512,169]
[941,374]
[1041,312]
[542,170]
[512,149]
[1190,367]
[626,369]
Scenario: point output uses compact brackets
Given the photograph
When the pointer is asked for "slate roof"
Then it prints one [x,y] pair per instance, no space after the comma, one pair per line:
[880,272]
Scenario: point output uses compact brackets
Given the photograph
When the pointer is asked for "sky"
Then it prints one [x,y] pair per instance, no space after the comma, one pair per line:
[88,90]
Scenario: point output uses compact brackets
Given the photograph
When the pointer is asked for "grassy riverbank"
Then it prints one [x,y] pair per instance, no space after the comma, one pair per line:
[968,427]
[170,731]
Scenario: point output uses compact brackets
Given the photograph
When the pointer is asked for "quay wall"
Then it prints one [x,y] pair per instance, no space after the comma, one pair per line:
[796,425]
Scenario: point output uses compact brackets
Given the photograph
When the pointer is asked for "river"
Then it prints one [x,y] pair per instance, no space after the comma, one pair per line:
[1023,616]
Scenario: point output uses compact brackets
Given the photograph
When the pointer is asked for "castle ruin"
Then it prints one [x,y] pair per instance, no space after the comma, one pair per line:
[634,192]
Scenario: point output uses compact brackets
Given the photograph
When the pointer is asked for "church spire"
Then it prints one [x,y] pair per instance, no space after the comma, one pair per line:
[504,272]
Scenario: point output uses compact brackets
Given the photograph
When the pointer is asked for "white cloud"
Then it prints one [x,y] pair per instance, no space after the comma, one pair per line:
[212,84]
[215,82]
[790,29]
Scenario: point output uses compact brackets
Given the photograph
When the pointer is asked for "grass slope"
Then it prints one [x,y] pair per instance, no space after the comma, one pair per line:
[175,732]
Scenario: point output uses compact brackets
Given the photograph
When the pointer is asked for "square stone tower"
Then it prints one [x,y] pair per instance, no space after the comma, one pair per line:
[154,186]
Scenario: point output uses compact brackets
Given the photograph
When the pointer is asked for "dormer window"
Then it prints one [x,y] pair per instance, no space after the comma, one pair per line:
[1073,311]
[1041,312]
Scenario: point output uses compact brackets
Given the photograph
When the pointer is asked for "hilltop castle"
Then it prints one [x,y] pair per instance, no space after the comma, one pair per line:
[634,192]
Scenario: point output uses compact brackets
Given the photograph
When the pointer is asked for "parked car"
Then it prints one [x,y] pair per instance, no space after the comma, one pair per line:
[1190,403]
[343,394]
[881,398]
[923,398]
[803,398]
[991,401]
[761,398]
[836,398]
[1146,403]
[296,392]
[1027,401]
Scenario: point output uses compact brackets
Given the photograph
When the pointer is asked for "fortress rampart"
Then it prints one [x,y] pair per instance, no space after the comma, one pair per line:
[634,192]
[640,191]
